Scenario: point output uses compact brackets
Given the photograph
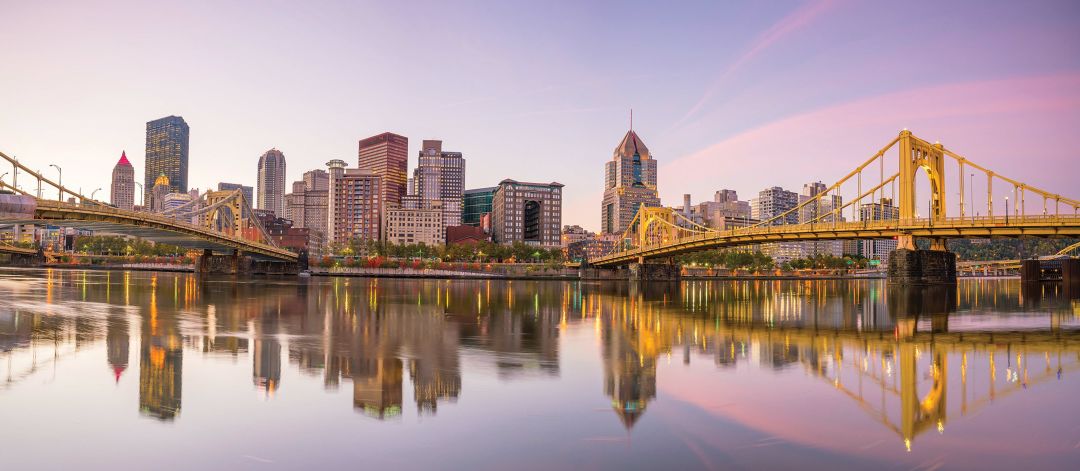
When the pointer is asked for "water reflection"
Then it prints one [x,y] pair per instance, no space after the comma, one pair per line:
[910,359]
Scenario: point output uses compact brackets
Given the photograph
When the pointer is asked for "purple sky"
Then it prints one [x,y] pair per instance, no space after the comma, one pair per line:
[725,94]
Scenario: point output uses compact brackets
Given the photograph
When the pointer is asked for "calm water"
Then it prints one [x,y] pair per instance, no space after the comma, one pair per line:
[114,370]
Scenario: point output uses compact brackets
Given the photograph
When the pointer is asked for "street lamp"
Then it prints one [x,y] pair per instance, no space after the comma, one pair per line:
[59,182]
[1006,210]
[92,193]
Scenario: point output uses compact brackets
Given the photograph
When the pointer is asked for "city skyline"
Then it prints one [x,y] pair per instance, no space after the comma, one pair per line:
[748,96]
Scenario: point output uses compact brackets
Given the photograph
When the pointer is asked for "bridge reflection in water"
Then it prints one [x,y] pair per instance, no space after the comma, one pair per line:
[913,359]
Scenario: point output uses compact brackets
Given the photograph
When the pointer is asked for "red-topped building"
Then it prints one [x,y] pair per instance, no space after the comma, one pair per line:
[122,191]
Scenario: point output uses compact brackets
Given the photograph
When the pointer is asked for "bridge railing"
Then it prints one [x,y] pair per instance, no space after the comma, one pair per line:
[1041,220]
[160,219]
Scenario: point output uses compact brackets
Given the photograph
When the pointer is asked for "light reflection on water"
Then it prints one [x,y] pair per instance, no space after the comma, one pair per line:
[106,369]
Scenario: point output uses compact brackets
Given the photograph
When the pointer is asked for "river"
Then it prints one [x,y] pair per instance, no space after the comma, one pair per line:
[141,370]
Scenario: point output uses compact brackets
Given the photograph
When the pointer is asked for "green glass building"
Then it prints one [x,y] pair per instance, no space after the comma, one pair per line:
[476,203]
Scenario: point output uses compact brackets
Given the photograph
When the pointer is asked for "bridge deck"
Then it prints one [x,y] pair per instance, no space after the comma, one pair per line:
[148,226]
[968,227]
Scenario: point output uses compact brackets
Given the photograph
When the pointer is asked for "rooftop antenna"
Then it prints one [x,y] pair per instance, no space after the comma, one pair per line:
[631,119]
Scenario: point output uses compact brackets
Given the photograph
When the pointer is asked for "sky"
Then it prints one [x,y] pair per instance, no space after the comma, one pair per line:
[737,95]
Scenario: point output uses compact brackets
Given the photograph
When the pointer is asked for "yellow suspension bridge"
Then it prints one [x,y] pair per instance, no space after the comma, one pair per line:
[217,222]
[662,233]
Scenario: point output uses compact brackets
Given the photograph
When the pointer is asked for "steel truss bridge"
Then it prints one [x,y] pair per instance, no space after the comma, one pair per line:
[218,221]
[657,233]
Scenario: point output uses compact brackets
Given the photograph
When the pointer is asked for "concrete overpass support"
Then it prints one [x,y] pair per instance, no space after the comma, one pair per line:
[922,267]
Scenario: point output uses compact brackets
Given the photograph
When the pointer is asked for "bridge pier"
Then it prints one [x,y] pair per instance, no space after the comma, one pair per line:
[229,264]
[1070,271]
[655,272]
[26,260]
[921,267]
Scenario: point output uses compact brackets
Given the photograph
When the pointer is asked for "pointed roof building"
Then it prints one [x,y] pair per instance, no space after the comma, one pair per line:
[122,189]
[632,144]
[629,182]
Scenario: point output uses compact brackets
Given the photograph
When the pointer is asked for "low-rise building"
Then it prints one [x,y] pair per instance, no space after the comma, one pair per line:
[414,226]
[527,212]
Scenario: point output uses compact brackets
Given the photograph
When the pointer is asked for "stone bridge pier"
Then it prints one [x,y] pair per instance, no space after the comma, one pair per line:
[655,271]
[935,266]
[26,260]
[237,263]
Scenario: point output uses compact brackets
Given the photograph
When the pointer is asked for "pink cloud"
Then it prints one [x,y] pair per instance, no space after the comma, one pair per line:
[794,21]
[1001,124]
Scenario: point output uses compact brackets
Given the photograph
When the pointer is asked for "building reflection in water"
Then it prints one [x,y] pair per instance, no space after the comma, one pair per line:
[912,358]
[161,361]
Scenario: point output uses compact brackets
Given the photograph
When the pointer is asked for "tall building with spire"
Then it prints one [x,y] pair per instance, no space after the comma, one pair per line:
[272,182]
[122,191]
[629,182]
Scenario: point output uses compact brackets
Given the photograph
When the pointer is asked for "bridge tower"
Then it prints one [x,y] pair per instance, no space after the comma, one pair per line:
[908,264]
[915,154]
[227,215]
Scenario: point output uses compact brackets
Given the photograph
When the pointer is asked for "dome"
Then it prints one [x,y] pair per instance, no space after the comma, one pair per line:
[162,180]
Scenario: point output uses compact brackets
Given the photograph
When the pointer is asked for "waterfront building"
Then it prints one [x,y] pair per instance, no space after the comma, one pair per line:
[122,190]
[878,249]
[307,204]
[166,154]
[825,211]
[387,156]
[355,204]
[476,203]
[724,212]
[288,236]
[466,235]
[629,182]
[571,234]
[592,246]
[415,225]
[527,212]
[772,202]
[271,182]
[440,176]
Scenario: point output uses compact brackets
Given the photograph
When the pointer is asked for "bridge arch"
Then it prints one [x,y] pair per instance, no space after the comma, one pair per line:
[916,154]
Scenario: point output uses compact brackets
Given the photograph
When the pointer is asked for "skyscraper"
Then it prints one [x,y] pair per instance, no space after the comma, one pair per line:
[441,176]
[629,182]
[122,191]
[272,182]
[387,155]
[166,154]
